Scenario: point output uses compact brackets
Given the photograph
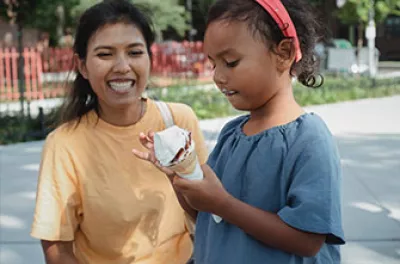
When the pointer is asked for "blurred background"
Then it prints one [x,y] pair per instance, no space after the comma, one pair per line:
[360,101]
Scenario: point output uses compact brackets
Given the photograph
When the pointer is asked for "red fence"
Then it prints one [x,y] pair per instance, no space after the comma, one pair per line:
[47,72]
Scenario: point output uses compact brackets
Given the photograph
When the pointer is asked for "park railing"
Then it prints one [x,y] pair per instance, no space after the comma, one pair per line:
[48,72]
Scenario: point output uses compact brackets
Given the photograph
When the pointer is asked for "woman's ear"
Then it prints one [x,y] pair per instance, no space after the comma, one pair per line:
[285,51]
[81,66]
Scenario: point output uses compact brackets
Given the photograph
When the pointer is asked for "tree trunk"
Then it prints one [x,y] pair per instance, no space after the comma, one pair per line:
[159,35]
[360,42]
[21,75]
[352,35]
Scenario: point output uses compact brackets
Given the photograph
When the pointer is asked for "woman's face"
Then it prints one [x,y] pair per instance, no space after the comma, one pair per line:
[117,65]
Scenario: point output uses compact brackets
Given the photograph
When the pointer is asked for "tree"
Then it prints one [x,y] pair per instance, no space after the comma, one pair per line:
[165,14]
[38,14]
[82,6]
[356,12]
[200,10]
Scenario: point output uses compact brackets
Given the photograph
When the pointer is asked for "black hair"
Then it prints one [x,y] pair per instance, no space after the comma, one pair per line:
[81,98]
[261,24]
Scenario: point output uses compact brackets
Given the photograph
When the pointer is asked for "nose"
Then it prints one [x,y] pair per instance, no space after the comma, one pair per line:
[219,78]
[121,65]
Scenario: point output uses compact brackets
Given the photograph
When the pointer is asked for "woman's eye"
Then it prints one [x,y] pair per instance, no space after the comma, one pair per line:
[103,54]
[232,64]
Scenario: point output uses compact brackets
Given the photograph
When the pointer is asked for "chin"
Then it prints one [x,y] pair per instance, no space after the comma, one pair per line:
[122,103]
[240,107]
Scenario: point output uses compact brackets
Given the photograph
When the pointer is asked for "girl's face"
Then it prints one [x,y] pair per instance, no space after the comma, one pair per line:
[117,65]
[245,68]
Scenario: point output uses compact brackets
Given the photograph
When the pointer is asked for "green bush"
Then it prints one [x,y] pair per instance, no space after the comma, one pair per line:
[208,102]
[15,128]
[339,89]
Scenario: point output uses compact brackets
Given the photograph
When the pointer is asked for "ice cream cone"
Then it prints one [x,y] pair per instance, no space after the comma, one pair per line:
[175,149]
[186,166]
[189,168]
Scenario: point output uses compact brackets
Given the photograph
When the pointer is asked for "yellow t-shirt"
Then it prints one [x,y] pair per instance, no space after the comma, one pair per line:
[115,207]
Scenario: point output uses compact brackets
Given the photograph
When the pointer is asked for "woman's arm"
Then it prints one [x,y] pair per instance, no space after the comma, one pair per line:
[59,252]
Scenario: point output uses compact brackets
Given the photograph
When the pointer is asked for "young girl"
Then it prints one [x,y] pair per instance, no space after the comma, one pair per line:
[274,176]
[96,204]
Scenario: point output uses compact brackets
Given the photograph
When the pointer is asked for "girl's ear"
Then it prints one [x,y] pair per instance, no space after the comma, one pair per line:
[286,54]
[81,66]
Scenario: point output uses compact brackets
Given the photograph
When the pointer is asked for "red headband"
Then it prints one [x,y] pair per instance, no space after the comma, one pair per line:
[279,13]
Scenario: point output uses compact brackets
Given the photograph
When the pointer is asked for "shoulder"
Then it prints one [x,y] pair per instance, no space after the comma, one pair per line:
[183,115]
[60,135]
[180,110]
[311,135]
[232,125]
[65,135]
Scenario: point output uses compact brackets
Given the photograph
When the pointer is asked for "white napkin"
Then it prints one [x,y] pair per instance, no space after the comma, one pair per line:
[168,142]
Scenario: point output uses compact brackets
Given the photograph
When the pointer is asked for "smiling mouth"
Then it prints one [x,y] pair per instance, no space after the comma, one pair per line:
[121,86]
[228,93]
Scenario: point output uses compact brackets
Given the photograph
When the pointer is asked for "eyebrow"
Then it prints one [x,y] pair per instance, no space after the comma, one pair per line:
[222,53]
[132,45]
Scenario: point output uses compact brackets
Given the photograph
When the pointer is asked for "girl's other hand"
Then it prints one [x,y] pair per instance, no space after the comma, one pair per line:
[206,195]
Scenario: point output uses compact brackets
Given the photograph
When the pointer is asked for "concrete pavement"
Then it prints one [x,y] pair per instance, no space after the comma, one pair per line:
[368,134]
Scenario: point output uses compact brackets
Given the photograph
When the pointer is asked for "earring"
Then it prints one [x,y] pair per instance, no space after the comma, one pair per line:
[144,95]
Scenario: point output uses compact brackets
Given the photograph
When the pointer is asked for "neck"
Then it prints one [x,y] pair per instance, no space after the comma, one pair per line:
[280,109]
[123,116]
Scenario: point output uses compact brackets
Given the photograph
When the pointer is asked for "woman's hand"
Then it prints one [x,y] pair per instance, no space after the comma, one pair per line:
[148,142]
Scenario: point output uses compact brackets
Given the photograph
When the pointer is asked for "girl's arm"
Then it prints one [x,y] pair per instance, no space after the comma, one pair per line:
[184,204]
[269,228]
[209,195]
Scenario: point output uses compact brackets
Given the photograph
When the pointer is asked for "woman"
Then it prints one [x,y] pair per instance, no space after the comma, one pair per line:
[96,202]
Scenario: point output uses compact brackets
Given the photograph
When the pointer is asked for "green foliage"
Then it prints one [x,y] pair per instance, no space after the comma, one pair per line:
[357,11]
[165,14]
[200,11]
[82,6]
[345,89]
[40,14]
[208,102]
[15,128]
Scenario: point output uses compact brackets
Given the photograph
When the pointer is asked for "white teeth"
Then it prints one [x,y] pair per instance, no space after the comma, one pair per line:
[226,92]
[120,86]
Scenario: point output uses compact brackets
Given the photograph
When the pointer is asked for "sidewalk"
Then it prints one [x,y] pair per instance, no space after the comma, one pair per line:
[368,134]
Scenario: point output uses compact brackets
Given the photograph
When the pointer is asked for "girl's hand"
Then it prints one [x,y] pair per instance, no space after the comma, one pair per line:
[206,195]
[148,142]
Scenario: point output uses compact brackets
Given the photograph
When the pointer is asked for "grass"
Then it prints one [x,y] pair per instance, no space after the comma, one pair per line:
[208,102]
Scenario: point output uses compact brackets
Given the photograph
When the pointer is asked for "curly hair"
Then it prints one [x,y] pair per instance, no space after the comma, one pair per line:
[261,24]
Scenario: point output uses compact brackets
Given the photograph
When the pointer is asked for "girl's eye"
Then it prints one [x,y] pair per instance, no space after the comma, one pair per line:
[232,64]
[136,53]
